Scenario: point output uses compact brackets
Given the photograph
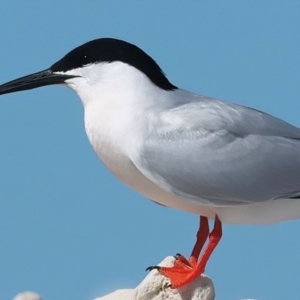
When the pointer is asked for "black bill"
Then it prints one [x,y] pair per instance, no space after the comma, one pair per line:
[46,77]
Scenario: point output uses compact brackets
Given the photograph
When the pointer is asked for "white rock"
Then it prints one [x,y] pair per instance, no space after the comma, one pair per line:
[28,296]
[152,288]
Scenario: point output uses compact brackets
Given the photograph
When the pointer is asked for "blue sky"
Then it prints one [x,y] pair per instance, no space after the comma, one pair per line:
[68,228]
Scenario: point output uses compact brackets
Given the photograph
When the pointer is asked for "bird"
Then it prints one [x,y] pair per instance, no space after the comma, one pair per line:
[209,157]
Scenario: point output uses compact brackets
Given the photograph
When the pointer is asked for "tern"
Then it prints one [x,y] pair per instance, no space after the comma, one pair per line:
[212,158]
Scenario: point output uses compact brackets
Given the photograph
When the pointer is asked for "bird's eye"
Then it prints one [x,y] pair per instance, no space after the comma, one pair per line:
[86,59]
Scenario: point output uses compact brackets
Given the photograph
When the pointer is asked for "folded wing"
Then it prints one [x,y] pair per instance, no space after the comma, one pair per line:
[222,154]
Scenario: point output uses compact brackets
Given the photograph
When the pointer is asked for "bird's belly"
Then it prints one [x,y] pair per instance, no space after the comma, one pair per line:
[125,170]
[268,212]
[258,213]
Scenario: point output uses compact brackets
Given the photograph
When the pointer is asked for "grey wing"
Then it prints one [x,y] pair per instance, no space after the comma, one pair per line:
[222,154]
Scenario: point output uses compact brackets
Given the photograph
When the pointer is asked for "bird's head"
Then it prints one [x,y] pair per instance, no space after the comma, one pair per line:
[85,63]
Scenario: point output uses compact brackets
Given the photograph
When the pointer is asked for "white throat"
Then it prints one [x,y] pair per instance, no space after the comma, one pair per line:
[118,102]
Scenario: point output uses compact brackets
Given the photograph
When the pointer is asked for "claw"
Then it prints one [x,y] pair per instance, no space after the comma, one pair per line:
[180,259]
[166,286]
[177,256]
[153,268]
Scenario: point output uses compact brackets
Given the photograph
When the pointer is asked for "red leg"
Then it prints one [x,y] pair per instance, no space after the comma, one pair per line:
[202,235]
[214,239]
[181,276]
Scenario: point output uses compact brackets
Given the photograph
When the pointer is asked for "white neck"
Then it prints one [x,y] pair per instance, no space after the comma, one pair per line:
[118,101]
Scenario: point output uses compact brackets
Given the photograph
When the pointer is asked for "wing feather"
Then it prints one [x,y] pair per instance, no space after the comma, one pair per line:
[223,154]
